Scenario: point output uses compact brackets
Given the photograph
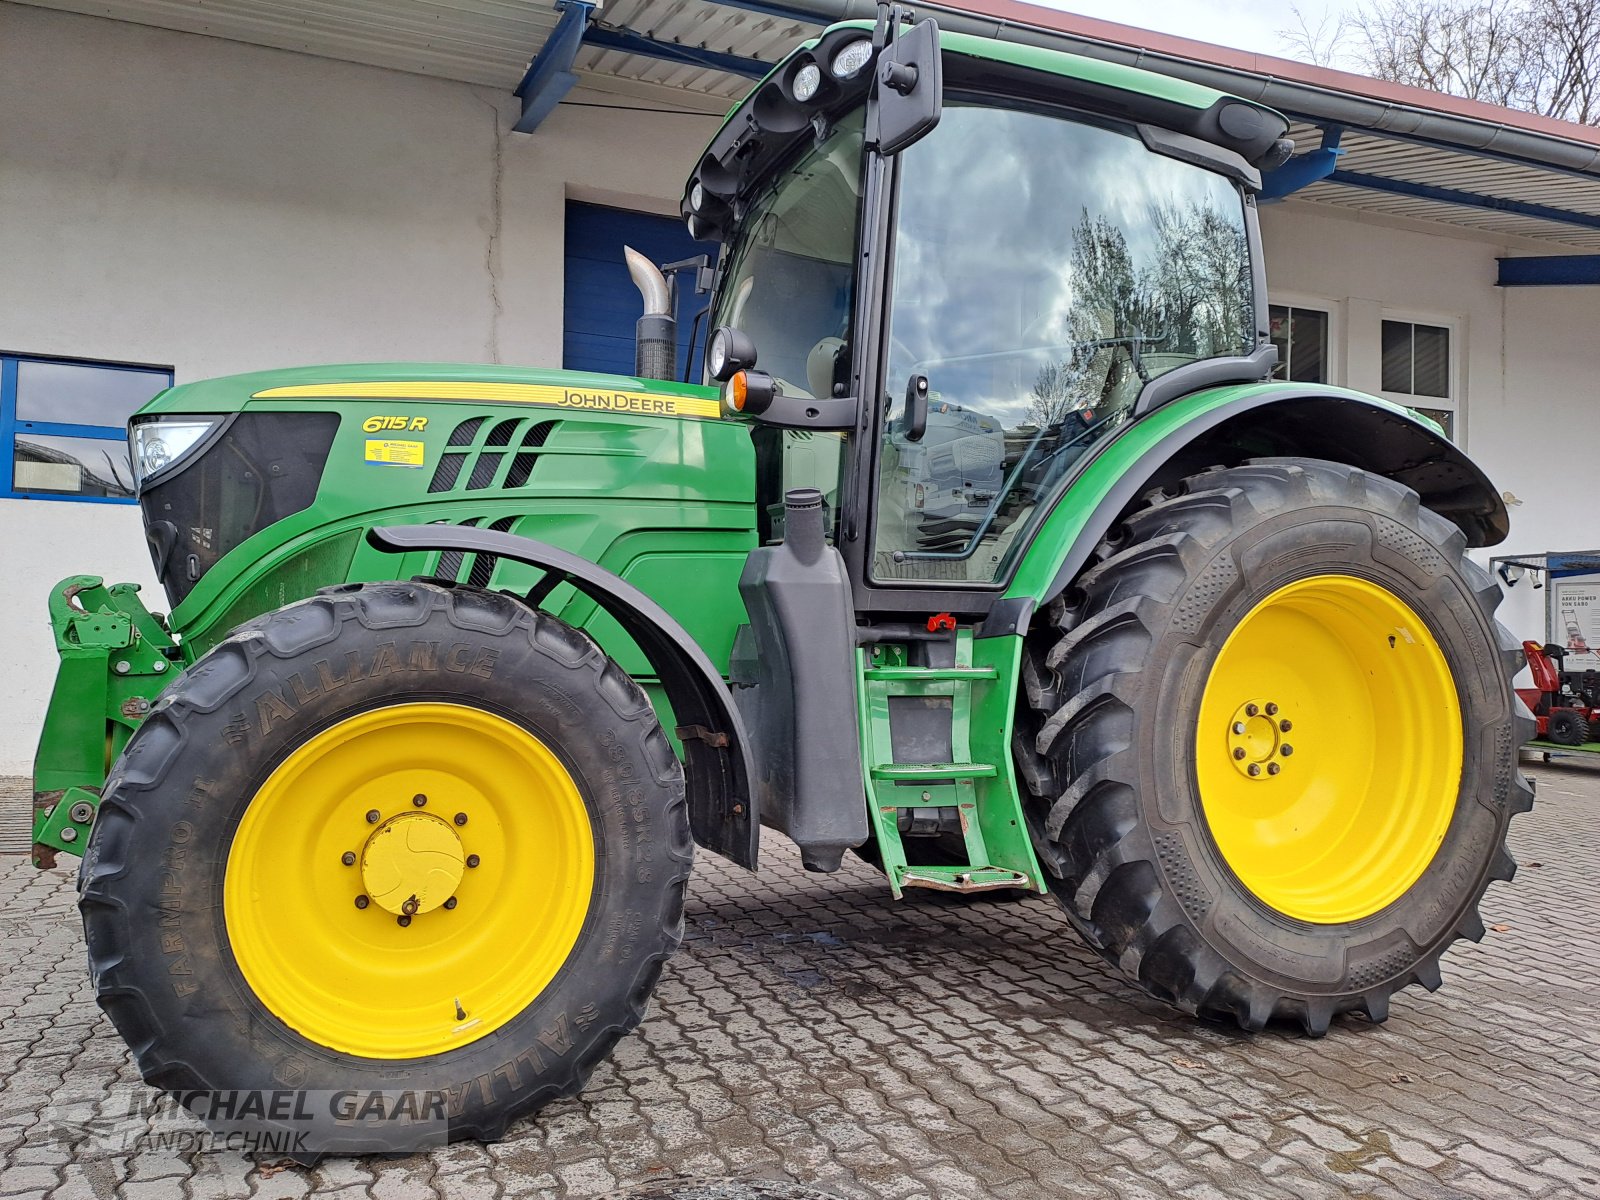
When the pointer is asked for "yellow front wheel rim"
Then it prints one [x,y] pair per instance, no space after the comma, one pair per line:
[1329,748]
[409,880]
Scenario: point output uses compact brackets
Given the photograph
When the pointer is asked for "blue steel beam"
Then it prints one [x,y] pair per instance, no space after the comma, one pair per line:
[550,76]
[1552,270]
[1304,169]
[1427,191]
[629,42]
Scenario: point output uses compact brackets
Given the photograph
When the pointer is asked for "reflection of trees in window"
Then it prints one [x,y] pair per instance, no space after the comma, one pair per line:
[92,480]
[1194,299]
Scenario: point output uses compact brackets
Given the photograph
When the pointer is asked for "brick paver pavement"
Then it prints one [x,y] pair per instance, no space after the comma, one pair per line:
[813,1031]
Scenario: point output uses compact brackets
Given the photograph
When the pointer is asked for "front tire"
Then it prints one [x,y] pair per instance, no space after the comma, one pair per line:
[396,837]
[1302,862]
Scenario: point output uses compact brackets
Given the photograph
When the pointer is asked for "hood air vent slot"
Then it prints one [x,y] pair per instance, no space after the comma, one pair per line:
[486,460]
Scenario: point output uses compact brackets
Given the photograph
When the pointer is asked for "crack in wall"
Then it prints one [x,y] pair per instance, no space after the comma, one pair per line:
[491,252]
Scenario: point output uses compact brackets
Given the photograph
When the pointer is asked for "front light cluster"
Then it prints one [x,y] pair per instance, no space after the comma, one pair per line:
[158,442]
[807,83]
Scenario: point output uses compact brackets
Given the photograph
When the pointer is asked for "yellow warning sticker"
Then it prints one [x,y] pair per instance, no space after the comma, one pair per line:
[394,454]
[593,399]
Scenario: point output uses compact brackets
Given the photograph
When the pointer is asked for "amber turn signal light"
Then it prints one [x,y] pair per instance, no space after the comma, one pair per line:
[749,392]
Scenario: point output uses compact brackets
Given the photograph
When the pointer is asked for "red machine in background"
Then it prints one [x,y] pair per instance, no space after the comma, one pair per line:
[1566,704]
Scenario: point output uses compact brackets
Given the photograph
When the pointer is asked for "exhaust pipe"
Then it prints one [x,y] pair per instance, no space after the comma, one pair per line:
[655,346]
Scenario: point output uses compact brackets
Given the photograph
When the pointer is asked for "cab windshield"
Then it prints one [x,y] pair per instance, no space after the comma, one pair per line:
[1047,266]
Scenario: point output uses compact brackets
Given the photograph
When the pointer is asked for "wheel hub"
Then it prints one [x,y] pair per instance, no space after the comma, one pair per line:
[1258,746]
[1329,791]
[412,863]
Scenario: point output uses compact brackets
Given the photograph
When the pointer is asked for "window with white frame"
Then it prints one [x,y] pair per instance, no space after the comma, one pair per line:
[63,426]
[1301,335]
[1419,369]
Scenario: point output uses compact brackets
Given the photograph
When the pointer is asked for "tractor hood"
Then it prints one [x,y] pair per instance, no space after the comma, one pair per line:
[257,489]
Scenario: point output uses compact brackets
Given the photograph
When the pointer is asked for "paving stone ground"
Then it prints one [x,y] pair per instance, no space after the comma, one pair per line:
[814,1031]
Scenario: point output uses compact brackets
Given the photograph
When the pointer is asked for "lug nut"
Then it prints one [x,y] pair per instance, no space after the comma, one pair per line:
[419,799]
[1238,751]
[450,903]
[1238,726]
[409,908]
[1285,726]
[362,902]
[461,818]
[1255,769]
[1272,710]
[1273,768]
[348,858]
[1251,710]
[372,816]
[402,920]
[1286,750]
[472,860]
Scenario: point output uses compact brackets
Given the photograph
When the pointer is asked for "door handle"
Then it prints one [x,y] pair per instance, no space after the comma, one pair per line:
[916,407]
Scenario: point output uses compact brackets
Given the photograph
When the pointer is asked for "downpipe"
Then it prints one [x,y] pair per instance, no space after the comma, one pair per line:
[655,346]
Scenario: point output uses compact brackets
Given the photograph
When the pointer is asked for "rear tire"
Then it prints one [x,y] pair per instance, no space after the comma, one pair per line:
[1143,812]
[493,952]
[1567,727]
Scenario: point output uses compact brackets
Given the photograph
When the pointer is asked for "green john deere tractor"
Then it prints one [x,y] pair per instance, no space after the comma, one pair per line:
[998,558]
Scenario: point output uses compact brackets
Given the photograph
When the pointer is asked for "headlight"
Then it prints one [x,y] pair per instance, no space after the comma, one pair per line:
[727,351]
[806,82]
[851,59]
[158,442]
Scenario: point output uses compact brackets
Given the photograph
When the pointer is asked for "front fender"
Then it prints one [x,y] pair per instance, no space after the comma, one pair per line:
[1225,426]
[716,749]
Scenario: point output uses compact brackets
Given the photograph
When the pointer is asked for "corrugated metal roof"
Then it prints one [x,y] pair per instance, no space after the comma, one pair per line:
[477,41]
[1438,166]
[695,24]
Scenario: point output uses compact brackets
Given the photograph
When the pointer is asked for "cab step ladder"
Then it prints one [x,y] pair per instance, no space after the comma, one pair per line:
[928,712]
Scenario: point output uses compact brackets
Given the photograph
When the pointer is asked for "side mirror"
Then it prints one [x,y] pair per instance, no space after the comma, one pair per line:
[908,92]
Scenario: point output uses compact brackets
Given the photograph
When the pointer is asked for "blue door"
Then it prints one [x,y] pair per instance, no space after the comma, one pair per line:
[601,304]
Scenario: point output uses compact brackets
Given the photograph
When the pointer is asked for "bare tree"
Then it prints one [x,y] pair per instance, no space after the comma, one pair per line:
[1540,56]
[1322,42]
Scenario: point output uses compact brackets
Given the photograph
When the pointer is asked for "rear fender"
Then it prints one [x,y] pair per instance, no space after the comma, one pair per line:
[716,749]
[1225,427]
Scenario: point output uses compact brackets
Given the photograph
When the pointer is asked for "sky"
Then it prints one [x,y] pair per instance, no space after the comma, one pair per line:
[1240,24]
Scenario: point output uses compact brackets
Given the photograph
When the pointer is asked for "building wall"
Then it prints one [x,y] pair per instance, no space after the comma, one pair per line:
[1530,363]
[169,198]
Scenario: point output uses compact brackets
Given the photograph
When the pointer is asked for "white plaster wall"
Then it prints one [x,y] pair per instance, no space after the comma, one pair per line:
[1530,361]
[171,198]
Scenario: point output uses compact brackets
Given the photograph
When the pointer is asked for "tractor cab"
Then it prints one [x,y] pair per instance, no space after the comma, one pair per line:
[951,269]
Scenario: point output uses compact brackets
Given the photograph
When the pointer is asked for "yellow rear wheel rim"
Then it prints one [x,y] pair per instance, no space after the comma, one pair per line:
[1328,749]
[469,850]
